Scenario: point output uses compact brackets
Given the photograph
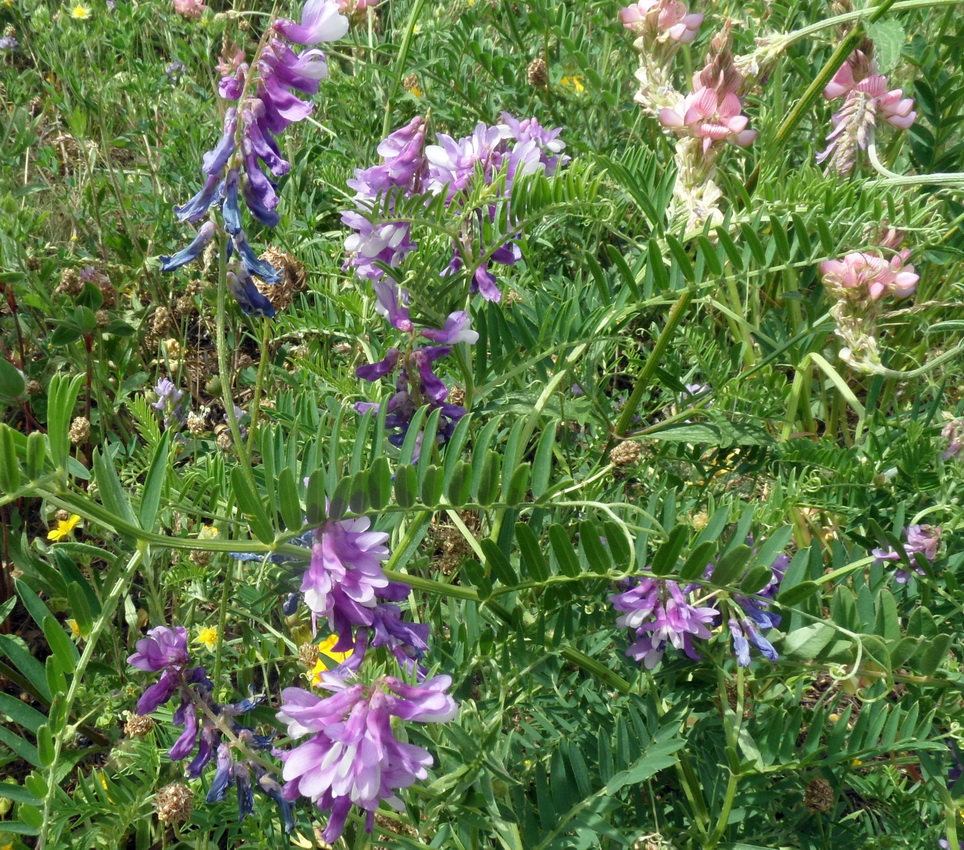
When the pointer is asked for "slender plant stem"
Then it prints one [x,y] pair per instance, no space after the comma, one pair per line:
[59,736]
[650,366]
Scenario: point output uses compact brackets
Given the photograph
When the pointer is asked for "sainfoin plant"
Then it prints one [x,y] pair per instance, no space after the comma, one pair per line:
[514,425]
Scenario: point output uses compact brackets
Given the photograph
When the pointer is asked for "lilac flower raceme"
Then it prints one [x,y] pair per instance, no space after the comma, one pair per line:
[169,403]
[345,584]
[411,168]
[353,756]
[165,651]
[866,100]
[662,616]
[264,100]
[918,539]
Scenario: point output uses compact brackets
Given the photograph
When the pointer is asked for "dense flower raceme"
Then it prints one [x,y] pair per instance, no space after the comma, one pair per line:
[864,276]
[165,651]
[265,102]
[661,20]
[411,168]
[168,403]
[866,100]
[710,116]
[345,584]
[353,756]
[664,614]
[918,540]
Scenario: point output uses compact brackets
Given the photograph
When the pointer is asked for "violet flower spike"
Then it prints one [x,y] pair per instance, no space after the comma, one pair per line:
[354,757]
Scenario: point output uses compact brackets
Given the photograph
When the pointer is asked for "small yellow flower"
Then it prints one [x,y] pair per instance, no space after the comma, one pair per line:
[75,630]
[208,637]
[325,648]
[80,12]
[575,82]
[856,763]
[207,532]
[64,527]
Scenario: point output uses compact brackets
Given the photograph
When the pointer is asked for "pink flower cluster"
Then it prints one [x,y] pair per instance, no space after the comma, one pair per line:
[866,99]
[189,8]
[661,20]
[863,274]
[710,115]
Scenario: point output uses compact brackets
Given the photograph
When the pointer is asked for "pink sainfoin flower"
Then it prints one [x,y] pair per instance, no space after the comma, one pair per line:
[661,20]
[866,100]
[706,115]
[861,275]
[189,8]
[354,757]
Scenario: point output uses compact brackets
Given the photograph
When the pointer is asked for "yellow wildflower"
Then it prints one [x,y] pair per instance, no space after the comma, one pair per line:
[80,12]
[75,630]
[207,532]
[208,637]
[64,527]
[325,649]
[575,82]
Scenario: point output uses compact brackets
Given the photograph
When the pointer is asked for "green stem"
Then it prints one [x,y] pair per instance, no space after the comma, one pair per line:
[649,368]
[259,385]
[400,61]
[108,608]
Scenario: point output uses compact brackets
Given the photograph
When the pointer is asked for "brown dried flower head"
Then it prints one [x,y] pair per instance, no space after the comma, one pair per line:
[174,803]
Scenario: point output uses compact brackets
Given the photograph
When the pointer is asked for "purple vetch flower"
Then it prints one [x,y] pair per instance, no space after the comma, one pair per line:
[192,251]
[417,384]
[410,168]
[163,647]
[953,432]
[264,102]
[456,330]
[345,573]
[661,615]
[320,21]
[354,757]
[169,403]
[918,539]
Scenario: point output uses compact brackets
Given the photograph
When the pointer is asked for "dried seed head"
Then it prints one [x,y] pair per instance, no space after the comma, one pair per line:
[102,318]
[79,430]
[197,422]
[161,319]
[138,726]
[34,387]
[62,516]
[70,283]
[538,73]
[185,305]
[308,654]
[410,84]
[457,396]
[626,454]
[293,278]
[224,441]
[819,795]
[174,803]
